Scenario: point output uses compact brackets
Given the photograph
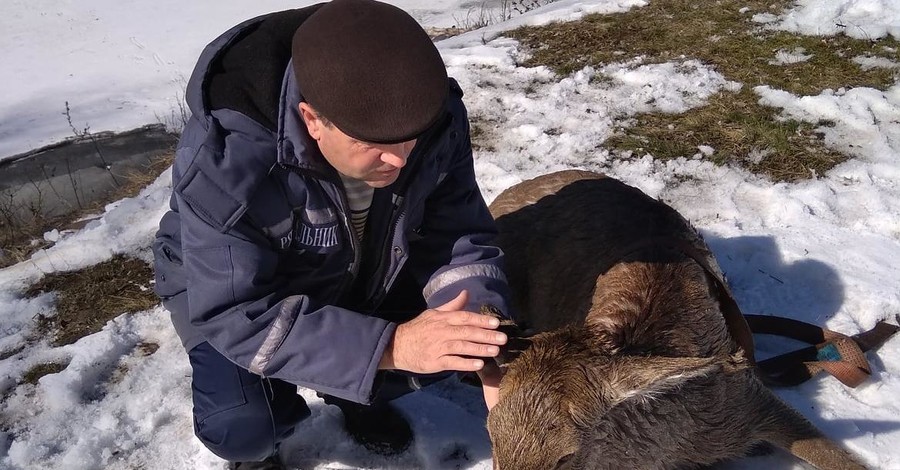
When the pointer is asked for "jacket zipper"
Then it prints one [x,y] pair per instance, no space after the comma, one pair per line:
[379,294]
[354,241]
[396,214]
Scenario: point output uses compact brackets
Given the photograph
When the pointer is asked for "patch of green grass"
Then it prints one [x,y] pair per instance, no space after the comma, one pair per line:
[741,132]
[90,297]
[46,368]
[716,33]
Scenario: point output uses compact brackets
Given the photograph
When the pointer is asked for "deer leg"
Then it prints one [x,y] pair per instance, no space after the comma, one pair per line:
[788,429]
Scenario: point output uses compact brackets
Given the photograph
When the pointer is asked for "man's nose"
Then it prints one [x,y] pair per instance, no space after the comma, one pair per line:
[395,158]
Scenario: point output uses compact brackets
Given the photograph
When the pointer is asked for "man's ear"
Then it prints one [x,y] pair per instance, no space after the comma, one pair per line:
[311,119]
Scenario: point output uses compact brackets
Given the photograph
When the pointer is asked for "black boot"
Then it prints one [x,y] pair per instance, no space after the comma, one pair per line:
[271,463]
[379,428]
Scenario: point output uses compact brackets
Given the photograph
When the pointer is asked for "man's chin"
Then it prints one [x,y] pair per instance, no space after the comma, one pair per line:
[378,184]
[382,180]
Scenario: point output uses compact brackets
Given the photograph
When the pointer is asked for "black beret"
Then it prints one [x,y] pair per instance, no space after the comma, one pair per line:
[370,69]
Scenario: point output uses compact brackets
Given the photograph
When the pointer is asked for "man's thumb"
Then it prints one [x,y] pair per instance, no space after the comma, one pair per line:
[457,303]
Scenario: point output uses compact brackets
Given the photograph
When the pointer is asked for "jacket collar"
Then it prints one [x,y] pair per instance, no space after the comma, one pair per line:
[295,146]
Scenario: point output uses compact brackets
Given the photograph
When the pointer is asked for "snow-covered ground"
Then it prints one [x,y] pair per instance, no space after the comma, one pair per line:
[825,250]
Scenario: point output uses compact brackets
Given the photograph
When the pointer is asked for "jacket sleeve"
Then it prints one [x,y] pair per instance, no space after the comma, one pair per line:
[259,319]
[457,237]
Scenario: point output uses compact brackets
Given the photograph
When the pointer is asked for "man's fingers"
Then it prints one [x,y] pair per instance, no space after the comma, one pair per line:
[476,335]
[447,338]
[457,303]
[462,364]
[472,319]
[467,348]
[479,335]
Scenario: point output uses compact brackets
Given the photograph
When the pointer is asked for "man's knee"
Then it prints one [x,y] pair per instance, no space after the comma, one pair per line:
[240,416]
[238,436]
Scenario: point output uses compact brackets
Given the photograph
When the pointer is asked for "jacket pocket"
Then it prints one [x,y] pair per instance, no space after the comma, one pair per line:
[211,272]
[168,268]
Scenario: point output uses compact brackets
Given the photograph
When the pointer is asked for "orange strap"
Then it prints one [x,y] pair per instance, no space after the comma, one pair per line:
[840,355]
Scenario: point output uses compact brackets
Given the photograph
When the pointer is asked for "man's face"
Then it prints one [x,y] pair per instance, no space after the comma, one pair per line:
[377,164]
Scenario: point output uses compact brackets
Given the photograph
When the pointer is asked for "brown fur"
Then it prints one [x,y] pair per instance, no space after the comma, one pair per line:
[633,365]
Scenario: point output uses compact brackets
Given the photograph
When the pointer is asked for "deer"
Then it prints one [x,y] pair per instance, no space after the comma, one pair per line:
[626,352]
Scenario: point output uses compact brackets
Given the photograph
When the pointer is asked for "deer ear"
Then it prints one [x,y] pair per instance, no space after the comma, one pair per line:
[645,376]
[518,337]
[511,350]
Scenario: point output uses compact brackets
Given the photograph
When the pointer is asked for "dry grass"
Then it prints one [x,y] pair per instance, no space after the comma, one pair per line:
[88,298]
[137,180]
[716,33]
[482,137]
[20,240]
[143,349]
[11,352]
[439,34]
[35,373]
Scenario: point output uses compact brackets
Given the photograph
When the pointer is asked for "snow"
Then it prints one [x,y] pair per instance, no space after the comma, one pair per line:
[869,63]
[795,56]
[861,19]
[119,65]
[824,250]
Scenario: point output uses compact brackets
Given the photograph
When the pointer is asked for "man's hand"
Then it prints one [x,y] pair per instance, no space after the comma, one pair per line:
[445,338]
[490,377]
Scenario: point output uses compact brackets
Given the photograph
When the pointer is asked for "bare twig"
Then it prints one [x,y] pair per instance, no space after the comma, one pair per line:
[74,184]
[36,207]
[52,188]
[86,133]
[482,15]
[178,117]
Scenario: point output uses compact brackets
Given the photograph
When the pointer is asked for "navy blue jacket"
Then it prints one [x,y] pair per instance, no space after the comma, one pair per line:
[257,256]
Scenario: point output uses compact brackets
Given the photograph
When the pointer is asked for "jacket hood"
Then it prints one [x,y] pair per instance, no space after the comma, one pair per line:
[242,93]
[295,146]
